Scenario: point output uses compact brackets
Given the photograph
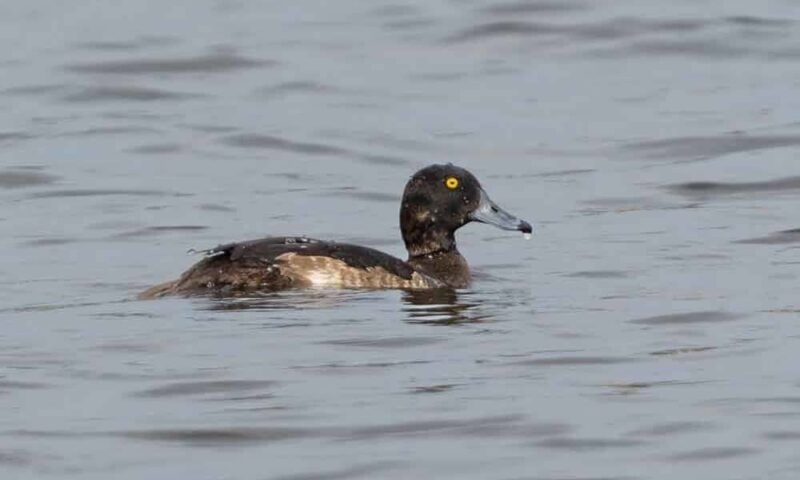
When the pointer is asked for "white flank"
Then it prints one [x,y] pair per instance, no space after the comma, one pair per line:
[321,278]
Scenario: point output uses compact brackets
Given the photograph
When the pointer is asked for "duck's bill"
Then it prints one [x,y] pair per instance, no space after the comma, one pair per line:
[489,212]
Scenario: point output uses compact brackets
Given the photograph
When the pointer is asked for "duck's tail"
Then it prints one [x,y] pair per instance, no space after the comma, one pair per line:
[158,291]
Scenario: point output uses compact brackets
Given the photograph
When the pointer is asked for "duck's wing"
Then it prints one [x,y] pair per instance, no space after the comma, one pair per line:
[278,263]
[263,248]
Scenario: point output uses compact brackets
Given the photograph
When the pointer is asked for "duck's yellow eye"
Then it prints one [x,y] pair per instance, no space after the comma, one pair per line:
[451,183]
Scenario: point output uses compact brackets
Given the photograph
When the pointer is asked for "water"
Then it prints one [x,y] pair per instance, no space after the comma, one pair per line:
[648,330]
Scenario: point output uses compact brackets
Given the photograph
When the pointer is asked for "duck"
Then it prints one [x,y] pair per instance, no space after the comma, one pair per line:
[437,201]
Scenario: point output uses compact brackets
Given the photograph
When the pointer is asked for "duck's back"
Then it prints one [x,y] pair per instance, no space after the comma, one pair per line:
[279,263]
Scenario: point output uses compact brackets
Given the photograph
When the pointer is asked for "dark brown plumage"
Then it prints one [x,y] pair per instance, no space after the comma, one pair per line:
[437,201]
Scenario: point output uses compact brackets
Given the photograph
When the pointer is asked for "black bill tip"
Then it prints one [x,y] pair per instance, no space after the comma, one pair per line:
[489,212]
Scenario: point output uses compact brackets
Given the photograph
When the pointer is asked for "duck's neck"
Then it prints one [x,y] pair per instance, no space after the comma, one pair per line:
[432,249]
[447,266]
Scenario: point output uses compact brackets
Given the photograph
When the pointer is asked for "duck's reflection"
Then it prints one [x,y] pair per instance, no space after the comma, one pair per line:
[286,300]
[436,306]
[440,306]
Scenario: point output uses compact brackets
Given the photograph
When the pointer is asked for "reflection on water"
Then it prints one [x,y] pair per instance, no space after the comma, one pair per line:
[433,307]
[441,307]
[286,300]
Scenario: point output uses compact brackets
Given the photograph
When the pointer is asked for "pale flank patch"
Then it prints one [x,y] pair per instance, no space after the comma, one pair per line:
[330,272]
[319,278]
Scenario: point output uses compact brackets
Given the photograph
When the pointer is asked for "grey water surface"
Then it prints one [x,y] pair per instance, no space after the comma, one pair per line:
[649,330]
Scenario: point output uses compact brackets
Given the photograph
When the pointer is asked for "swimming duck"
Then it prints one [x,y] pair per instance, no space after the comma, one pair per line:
[437,201]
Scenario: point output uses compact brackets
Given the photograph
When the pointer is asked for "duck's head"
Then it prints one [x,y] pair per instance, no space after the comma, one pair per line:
[440,199]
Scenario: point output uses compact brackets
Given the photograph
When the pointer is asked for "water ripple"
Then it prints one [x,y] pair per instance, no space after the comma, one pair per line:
[253,140]
[389,342]
[574,361]
[533,7]
[705,147]
[204,387]
[689,318]
[776,238]
[712,454]
[210,63]
[19,178]
[719,189]
[125,93]
[588,444]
